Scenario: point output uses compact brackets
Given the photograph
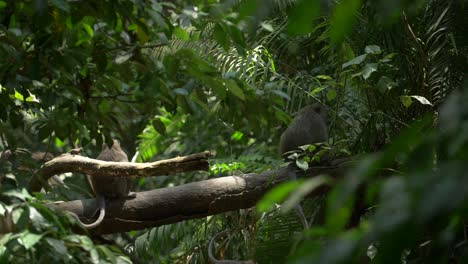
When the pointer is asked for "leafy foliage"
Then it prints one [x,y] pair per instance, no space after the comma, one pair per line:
[178,77]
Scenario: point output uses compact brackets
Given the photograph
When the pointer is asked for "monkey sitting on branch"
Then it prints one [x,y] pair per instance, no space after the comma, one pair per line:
[109,187]
[308,127]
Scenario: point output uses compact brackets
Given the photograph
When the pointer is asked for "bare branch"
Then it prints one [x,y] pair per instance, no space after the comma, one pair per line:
[75,163]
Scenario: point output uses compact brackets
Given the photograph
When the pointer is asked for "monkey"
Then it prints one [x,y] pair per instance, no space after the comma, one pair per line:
[308,127]
[216,261]
[109,187]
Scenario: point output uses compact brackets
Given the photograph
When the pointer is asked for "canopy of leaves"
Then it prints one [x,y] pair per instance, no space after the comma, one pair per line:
[171,78]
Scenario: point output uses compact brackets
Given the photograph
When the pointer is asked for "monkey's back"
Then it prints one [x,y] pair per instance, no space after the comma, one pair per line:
[307,128]
[112,187]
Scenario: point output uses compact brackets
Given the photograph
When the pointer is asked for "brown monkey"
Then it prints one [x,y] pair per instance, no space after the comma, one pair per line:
[308,127]
[109,187]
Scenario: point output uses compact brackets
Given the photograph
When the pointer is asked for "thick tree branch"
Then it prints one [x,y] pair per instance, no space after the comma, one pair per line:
[80,164]
[193,200]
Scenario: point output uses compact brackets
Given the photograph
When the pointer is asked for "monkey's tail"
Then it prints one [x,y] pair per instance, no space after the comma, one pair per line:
[211,246]
[216,261]
[298,208]
[102,212]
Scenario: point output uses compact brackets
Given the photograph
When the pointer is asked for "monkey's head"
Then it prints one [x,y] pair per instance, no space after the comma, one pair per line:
[320,109]
[115,143]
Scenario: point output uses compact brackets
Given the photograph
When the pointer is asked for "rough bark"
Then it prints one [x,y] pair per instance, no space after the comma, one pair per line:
[76,163]
[193,200]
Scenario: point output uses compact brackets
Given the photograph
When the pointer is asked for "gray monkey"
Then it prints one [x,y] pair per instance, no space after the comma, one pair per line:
[308,127]
[109,187]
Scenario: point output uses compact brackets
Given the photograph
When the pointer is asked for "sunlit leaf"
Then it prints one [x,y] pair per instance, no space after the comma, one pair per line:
[267,26]
[88,29]
[316,91]
[357,60]
[421,99]
[123,58]
[324,77]
[181,33]
[302,164]
[369,69]
[28,240]
[237,136]
[373,49]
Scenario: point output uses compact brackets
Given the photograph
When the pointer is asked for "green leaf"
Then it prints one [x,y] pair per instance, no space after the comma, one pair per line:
[343,18]
[110,256]
[302,164]
[69,22]
[58,246]
[3,4]
[18,96]
[181,91]
[21,217]
[235,89]
[159,126]
[88,29]
[354,61]
[406,100]
[324,77]
[221,37]
[315,91]
[305,188]
[388,58]
[238,37]
[282,94]
[181,33]
[302,16]
[385,84]
[421,99]
[277,195]
[237,136]
[267,26]
[373,49]
[311,148]
[369,69]
[28,240]
[331,94]
[123,58]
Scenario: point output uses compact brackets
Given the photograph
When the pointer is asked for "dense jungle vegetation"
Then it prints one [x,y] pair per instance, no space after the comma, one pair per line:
[176,77]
